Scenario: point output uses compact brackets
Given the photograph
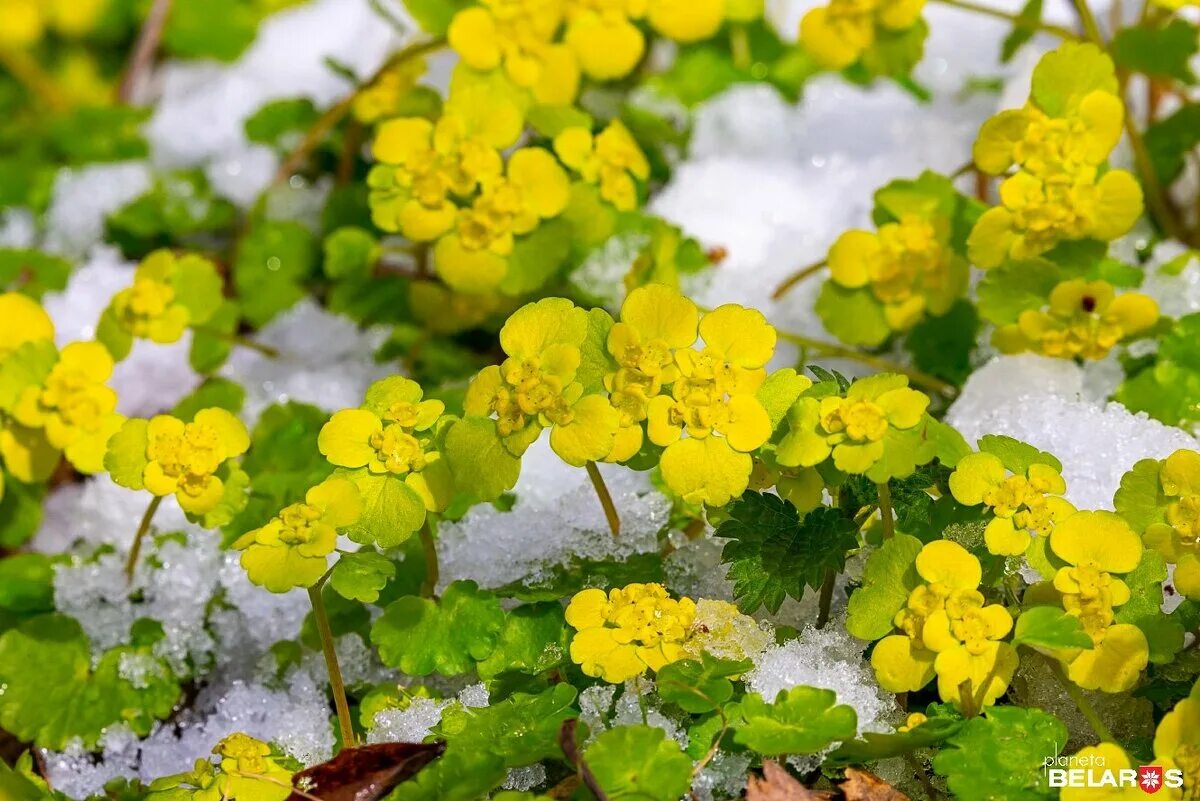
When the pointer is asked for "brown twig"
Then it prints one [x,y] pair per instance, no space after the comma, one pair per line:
[570,749]
[144,50]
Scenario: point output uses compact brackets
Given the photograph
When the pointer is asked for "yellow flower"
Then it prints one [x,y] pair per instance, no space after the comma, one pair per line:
[913,720]
[1099,759]
[183,458]
[168,294]
[947,630]
[24,23]
[249,771]
[604,37]
[22,319]
[535,387]
[1178,538]
[621,633]
[73,406]
[1082,137]
[75,18]
[395,437]
[1177,743]
[1085,319]
[851,428]
[292,549]
[383,97]
[1019,503]
[836,35]
[908,266]
[713,401]
[612,160]
[686,20]
[518,35]
[1096,545]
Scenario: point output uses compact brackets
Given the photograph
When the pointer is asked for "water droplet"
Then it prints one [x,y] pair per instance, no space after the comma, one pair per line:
[274,263]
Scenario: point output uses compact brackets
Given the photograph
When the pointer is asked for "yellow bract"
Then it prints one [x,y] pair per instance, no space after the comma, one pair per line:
[850,427]
[1177,743]
[611,159]
[621,633]
[1020,503]
[948,630]
[26,21]
[249,771]
[1095,545]
[536,388]
[1178,538]
[183,458]
[73,406]
[292,549]
[907,265]
[1085,319]
[152,308]
[838,34]
[22,319]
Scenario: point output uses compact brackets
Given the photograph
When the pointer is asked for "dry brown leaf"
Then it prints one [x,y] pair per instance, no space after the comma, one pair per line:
[862,786]
[776,784]
[365,773]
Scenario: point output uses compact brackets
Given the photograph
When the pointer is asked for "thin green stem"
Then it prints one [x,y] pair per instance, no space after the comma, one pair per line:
[885,510]
[797,277]
[825,601]
[26,70]
[331,664]
[833,350]
[739,46]
[1086,709]
[136,548]
[1014,19]
[238,340]
[1091,28]
[429,585]
[606,501]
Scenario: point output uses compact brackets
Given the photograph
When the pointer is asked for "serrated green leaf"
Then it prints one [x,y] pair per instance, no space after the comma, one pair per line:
[461,774]
[999,757]
[852,315]
[360,576]
[942,345]
[1016,456]
[888,578]
[774,553]
[480,463]
[1069,73]
[802,720]
[1160,52]
[219,393]
[1050,627]
[1014,287]
[449,637]
[521,729]
[698,687]
[392,511]
[639,761]
[1140,499]
[125,460]
[780,391]
[594,360]
[534,640]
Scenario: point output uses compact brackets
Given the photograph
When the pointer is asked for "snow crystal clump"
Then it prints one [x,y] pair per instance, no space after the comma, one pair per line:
[723,777]
[76,773]
[1040,401]
[76,310]
[525,779]
[83,198]
[830,659]
[414,723]
[556,518]
[18,228]
[324,359]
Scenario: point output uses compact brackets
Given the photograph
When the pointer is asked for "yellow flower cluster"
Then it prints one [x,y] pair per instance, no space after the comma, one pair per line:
[1019,503]
[544,46]
[838,34]
[27,21]
[947,629]
[1177,536]
[1095,546]
[611,160]
[621,633]
[707,394]
[1058,143]
[1084,319]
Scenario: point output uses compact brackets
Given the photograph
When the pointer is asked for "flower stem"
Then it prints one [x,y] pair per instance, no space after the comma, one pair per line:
[797,277]
[29,73]
[885,510]
[1015,19]
[833,350]
[825,601]
[1086,709]
[610,509]
[136,548]
[144,50]
[331,664]
[237,339]
[739,45]
[429,585]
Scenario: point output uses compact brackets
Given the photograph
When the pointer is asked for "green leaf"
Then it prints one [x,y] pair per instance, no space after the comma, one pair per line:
[521,729]
[360,576]
[774,553]
[780,391]
[1050,627]
[220,393]
[179,209]
[1160,52]
[698,74]
[461,774]
[89,134]
[25,367]
[1170,140]
[125,459]
[595,363]
[1140,499]
[449,637]
[559,581]
[1023,31]
[534,640]
[550,121]
[20,511]
[639,761]
[273,262]
[999,756]
[33,271]
[537,258]
[209,351]
[434,15]
[219,29]
[52,695]
[1014,287]
[278,118]
[350,252]
[699,687]
[803,720]
[852,315]
[478,459]
[1069,73]
[942,346]
[27,583]
[888,578]
[1163,632]
[392,511]
[1016,456]
[875,746]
